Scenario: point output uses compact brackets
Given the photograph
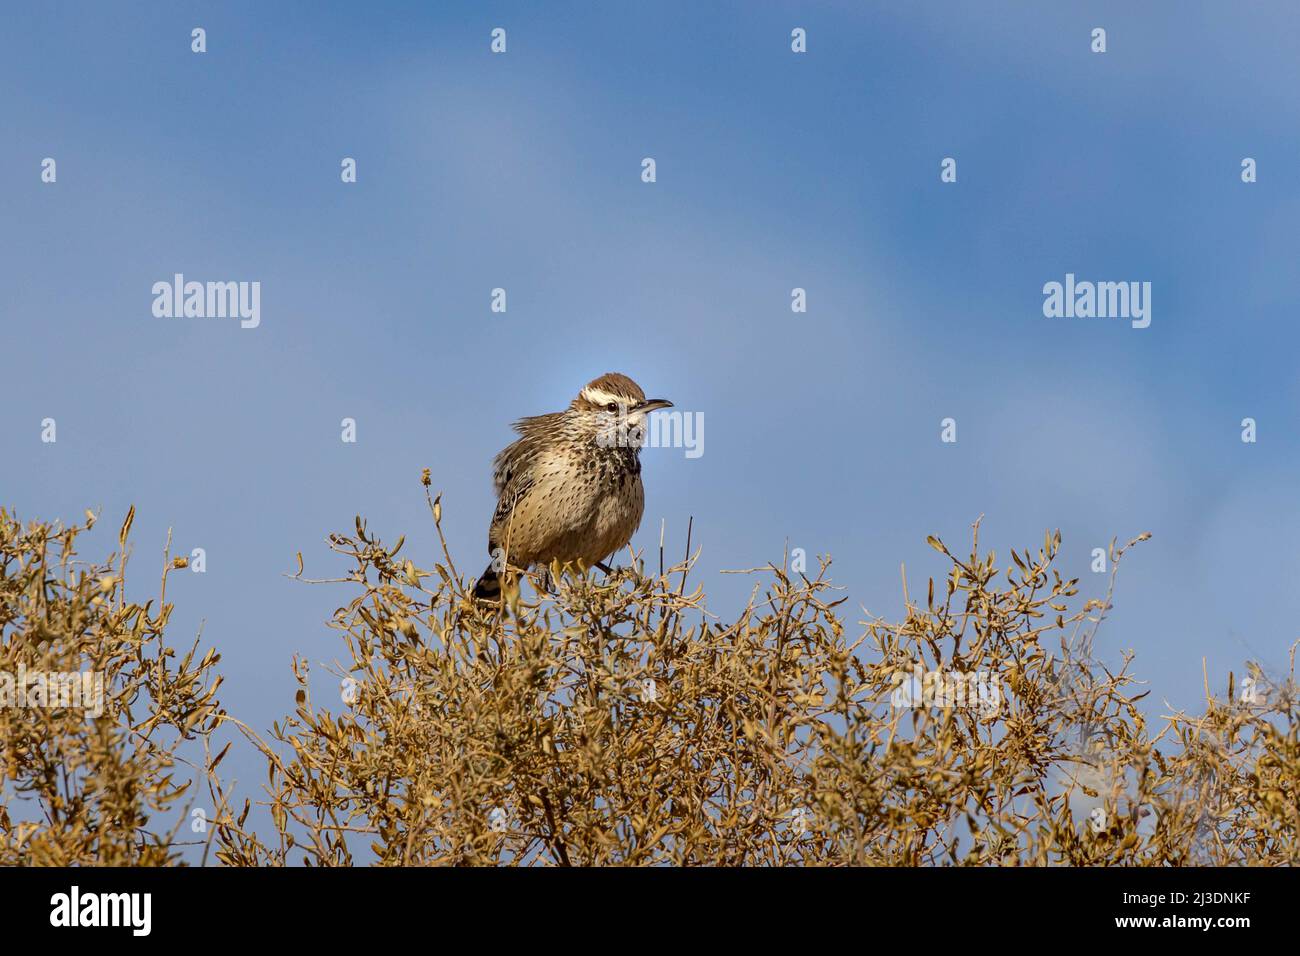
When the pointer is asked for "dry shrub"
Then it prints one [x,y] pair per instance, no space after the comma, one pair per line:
[616,721]
[81,788]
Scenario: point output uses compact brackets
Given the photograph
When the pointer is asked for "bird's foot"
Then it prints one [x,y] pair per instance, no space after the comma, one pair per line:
[630,573]
[546,581]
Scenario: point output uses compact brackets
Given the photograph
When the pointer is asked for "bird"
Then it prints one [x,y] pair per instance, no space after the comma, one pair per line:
[569,488]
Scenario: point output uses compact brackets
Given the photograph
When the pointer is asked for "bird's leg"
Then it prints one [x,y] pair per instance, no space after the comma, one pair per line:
[611,572]
[547,580]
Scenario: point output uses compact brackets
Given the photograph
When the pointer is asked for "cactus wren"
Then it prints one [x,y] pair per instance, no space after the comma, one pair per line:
[569,489]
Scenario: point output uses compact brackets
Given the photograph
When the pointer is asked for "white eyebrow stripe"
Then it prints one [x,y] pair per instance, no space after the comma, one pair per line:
[598,396]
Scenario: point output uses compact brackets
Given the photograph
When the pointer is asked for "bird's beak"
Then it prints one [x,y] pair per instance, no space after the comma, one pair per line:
[652,404]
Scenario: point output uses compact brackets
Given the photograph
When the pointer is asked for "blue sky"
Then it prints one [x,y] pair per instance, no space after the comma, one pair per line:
[775,171]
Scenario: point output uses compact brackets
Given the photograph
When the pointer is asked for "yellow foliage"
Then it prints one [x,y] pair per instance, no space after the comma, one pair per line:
[615,720]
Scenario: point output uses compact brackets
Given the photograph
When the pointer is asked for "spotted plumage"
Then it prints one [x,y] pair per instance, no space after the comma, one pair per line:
[569,489]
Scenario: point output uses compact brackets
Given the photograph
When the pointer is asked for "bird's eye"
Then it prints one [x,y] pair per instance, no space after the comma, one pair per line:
[612,406]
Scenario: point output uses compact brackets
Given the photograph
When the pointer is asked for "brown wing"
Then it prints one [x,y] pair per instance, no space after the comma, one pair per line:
[513,469]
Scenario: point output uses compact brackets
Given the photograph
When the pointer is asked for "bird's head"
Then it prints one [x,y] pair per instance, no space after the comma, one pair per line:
[614,399]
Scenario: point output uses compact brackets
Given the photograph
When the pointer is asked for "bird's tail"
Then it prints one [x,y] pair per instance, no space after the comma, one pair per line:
[488,586]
